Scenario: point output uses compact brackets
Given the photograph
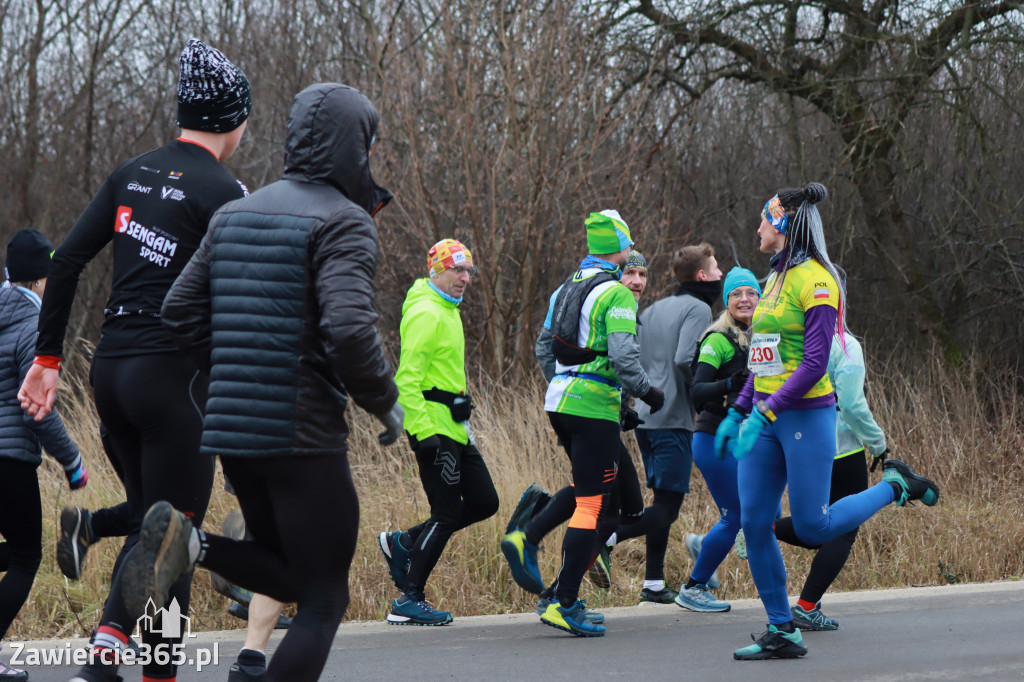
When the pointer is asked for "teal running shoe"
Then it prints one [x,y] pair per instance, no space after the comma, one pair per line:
[663,596]
[741,545]
[573,619]
[407,610]
[543,603]
[773,643]
[600,572]
[522,561]
[533,500]
[693,544]
[914,487]
[396,556]
[813,619]
[699,598]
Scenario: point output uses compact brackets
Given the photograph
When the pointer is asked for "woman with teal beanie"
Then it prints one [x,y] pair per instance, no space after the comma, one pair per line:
[720,370]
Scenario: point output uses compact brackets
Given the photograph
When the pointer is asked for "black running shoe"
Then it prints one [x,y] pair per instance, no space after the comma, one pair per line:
[158,560]
[533,500]
[773,643]
[74,541]
[914,487]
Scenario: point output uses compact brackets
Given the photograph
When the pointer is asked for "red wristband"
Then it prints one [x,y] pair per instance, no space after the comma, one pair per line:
[47,361]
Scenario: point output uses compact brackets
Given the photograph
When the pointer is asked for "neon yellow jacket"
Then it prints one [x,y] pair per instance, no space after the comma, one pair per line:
[433,356]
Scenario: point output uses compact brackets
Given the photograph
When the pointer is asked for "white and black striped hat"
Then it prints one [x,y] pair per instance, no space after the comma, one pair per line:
[213,93]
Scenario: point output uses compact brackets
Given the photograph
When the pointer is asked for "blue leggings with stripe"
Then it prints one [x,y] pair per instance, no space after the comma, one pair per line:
[798,450]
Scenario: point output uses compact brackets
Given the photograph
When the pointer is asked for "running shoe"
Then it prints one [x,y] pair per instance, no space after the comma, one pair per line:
[914,487]
[396,556]
[74,541]
[741,545]
[773,643]
[573,619]
[522,561]
[699,598]
[409,611]
[251,666]
[158,560]
[600,570]
[533,500]
[813,619]
[663,596]
[9,674]
[543,603]
[693,544]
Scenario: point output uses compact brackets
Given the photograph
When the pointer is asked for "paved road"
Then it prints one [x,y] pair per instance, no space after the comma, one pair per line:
[964,632]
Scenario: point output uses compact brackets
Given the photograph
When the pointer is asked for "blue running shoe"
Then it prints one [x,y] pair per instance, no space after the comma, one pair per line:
[573,619]
[543,603]
[914,487]
[813,619]
[699,598]
[522,560]
[693,544]
[773,643]
[533,500]
[396,556]
[407,610]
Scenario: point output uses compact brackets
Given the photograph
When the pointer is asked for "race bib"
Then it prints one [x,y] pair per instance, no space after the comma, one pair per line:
[763,359]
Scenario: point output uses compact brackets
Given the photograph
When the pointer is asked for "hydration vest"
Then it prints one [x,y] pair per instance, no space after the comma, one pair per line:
[565,319]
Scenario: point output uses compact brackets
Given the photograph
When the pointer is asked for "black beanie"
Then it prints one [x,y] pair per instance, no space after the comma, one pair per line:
[213,93]
[28,256]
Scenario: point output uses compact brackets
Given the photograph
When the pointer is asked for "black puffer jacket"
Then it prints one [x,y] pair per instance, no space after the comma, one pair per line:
[20,435]
[278,300]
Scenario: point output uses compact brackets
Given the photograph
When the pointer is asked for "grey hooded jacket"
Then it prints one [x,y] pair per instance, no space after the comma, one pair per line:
[278,302]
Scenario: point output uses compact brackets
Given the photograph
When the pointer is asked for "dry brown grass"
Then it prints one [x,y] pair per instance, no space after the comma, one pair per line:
[949,425]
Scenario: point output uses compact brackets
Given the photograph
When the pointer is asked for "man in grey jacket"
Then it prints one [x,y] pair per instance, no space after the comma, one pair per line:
[278,304]
[669,331]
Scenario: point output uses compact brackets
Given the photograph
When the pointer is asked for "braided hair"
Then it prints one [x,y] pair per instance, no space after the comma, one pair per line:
[806,238]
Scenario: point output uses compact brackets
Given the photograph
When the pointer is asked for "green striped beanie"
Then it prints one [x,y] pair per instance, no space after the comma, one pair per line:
[607,233]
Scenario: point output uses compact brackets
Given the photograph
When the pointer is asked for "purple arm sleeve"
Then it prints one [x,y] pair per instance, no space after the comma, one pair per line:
[745,399]
[819,328]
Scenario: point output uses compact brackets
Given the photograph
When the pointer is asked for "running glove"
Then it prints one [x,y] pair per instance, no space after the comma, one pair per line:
[752,428]
[393,421]
[879,458]
[654,397]
[629,419]
[78,476]
[727,432]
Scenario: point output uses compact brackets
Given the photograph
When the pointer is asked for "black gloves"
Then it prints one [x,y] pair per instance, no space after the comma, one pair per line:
[629,419]
[654,397]
[879,458]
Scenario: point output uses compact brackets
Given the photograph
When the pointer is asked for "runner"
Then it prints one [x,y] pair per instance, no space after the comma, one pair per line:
[155,209]
[536,518]
[856,432]
[278,304]
[593,324]
[669,331]
[720,373]
[789,437]
[21,515]
[431,382]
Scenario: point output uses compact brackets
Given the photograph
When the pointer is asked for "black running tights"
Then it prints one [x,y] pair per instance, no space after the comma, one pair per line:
[303,514]
[655,523]
[849,476]
[151,407]
[21,525]
[460,492]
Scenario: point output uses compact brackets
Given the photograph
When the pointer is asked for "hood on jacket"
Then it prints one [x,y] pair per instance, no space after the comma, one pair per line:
[14,307]
[330,130]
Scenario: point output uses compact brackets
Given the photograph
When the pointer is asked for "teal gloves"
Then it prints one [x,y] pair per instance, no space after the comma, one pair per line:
[750,431]
[727,432]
